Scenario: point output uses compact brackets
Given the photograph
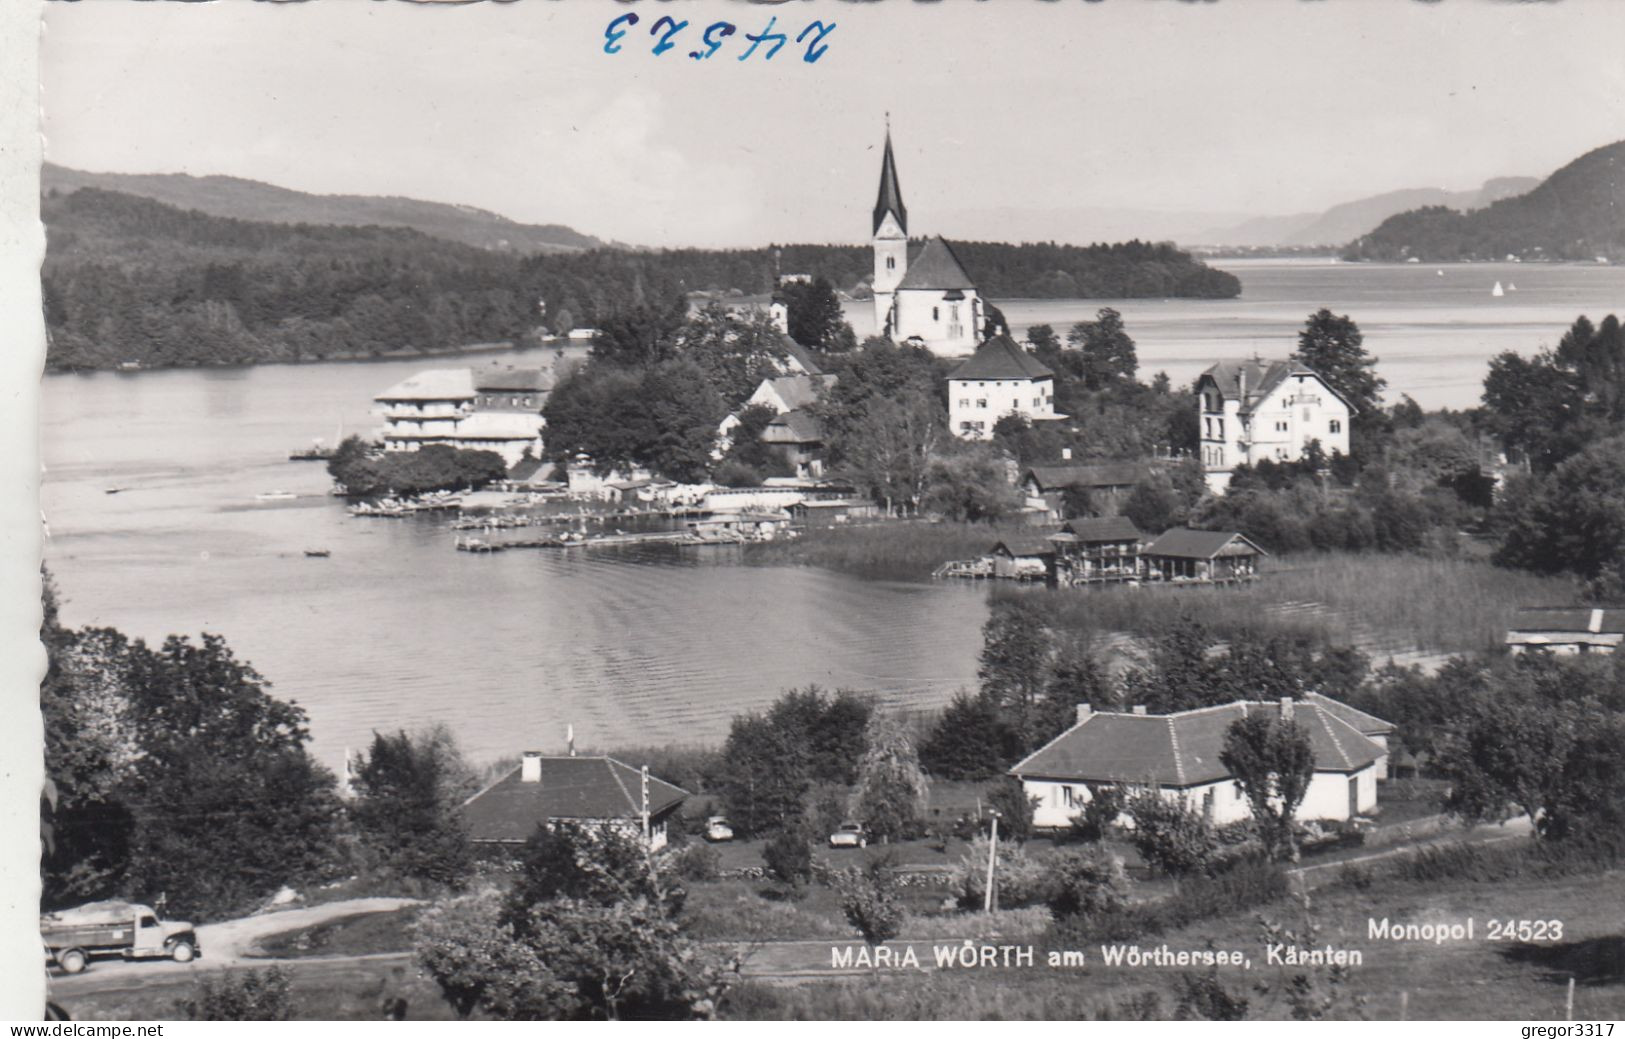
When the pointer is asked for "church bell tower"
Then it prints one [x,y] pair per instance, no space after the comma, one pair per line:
[890,240]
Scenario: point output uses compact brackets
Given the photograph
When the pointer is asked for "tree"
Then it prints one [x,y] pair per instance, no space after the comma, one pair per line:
[1088,880]
[1014,666]
[1168,835]
[814,312]
[747,449]
[1332,347]
[639,336]
[1273,762]
[736,352]
[763,777]
[1106,353]
[788,857]
[891,791]
[409,789]
[889,445]
[967,741]
[1007,795]
[970,486]
[869,900]
[1571,520]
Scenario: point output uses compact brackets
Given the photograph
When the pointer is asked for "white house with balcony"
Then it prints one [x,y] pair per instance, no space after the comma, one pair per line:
[496,408]
[1001,378]
[1255,410]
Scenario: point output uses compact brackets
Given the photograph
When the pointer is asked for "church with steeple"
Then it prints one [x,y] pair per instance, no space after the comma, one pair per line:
[928,298]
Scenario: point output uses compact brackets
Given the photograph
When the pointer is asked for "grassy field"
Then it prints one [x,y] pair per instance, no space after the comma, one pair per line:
[1387,604]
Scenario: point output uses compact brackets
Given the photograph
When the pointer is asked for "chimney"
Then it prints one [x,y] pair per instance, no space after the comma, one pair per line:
[1066,454]
[1286,708]
[1084,711]
[530,769]
[1241,385]
[1139,708]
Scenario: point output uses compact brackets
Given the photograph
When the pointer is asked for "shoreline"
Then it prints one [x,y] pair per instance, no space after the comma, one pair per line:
[559,345]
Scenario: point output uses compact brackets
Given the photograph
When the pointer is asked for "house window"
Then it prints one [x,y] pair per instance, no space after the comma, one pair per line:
[891,263]
[964,402]
[982,403]
[1337,425]
[935,314]
[1038,402]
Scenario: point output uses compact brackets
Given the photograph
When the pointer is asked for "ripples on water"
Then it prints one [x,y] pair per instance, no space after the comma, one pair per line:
[634,645]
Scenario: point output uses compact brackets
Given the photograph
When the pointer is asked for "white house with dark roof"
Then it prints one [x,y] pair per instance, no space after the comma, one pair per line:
[1001,378]
[1255,410]
[590,791]
[1178,756]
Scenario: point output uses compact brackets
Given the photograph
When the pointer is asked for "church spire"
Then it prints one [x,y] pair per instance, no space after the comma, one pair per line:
[890,199]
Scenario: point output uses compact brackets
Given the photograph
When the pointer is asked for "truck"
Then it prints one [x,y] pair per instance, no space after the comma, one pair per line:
[73,937]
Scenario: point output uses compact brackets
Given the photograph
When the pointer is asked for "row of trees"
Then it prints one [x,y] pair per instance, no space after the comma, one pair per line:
[362,470]
[175,772]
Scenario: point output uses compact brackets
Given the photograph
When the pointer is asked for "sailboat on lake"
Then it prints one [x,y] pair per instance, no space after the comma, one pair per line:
[1497,291]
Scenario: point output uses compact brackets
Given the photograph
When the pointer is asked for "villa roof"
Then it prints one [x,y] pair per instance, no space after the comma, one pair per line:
[1182,750]
[1201,544]
[433,384]
[1024,545]
[794,427]
[571,788]
[1101,528]
[936,268]
[1251,381]
[1609,620]
[1104,474]
[798,391]
[1001,358]
[802,357]
[1368,724]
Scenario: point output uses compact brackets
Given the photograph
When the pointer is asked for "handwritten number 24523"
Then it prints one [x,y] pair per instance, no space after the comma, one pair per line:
[666,28]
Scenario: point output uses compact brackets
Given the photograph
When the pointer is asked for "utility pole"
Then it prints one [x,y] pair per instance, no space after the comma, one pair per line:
[992,857]
[645,785]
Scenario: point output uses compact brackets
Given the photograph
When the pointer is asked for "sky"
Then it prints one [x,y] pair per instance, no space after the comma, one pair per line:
[1102,116]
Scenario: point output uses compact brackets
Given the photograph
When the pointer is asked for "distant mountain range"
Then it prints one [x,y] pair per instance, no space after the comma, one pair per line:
[1575,214]
[244,199]
[1344,223]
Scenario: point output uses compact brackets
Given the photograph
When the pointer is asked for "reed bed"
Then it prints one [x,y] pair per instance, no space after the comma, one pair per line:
[1379,602]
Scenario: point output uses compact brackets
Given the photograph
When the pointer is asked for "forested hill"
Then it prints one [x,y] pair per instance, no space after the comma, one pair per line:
[268,203]
[586,284]
[129,279]
[1575,214]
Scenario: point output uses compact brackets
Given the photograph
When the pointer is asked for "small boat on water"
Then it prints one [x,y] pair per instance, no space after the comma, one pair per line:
[1497,291]
[318,553]
[275,496]
[115,490]
[1511,287]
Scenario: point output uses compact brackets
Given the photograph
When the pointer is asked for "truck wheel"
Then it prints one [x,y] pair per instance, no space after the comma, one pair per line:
[182,952]
[71,962]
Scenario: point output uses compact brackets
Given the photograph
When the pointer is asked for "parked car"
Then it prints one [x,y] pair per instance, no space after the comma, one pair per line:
[717,829]
[74,936]
[849,835]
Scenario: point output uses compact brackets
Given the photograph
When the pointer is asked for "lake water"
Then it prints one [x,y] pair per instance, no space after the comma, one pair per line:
[1433,333]
[642,645]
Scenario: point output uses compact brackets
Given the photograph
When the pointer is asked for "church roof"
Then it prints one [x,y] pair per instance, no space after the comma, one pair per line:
[936,268]
[1001,358]
[890,198]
